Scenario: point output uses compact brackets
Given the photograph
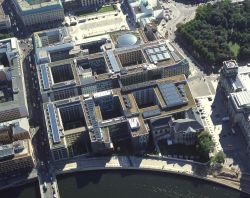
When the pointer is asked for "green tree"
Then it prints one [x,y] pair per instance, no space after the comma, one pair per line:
[4,36]
[205,143]
[219,157]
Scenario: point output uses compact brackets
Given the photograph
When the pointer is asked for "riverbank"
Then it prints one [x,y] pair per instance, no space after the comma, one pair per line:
[174,166]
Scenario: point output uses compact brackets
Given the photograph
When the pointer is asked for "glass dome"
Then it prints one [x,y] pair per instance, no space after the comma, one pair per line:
[126,40]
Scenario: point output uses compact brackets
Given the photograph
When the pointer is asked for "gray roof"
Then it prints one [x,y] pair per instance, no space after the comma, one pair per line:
[113,62]
[186,125]
[242,98]
[160,122]
[171,95]
[6,151]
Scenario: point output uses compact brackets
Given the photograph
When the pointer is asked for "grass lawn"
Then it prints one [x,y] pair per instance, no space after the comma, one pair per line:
[234,48]
[106,8]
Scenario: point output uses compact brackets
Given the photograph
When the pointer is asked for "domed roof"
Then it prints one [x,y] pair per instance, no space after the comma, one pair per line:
[126,40]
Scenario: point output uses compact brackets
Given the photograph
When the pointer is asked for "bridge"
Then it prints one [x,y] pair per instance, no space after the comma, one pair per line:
[47,182]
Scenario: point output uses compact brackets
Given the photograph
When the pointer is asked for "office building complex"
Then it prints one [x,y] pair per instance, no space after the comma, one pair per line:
[101,120]
[13,104]
[235,83]
[5,23]
[102,91]
[15,146]
[33,12]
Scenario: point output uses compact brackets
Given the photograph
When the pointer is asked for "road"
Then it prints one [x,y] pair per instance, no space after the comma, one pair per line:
[39,135]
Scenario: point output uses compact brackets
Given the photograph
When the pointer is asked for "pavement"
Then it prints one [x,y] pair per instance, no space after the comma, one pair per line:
[151,163]
[232,144]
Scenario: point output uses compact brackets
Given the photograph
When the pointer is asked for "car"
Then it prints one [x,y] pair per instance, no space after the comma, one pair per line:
[203,117]
[44,187]
[209,98]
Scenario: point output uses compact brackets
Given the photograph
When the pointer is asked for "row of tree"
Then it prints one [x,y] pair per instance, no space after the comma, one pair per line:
[219,32]
[7,35]
[206,145]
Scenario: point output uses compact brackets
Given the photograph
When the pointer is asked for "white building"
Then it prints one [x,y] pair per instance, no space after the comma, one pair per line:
[39,12]
[146,9]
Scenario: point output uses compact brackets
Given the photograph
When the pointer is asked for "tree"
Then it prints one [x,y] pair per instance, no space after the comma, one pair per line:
[5,36]
[219,157]
[205,143]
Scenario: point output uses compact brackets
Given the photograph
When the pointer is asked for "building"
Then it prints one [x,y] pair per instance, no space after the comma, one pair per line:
[33,12]
[14,130]
[95,3]
[17,156]
[15,145]
[177,131]
[235,84]
[13,103]
[107,118]
[146,9]
[100,93]
[67,69]
[5,23]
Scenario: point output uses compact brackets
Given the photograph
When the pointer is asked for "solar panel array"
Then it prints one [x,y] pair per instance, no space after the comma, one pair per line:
[171,95]
[151,113]
[44,76]
[53,123]
[158,53]
[113,61]
[127,101]
[91,111]
[182,91]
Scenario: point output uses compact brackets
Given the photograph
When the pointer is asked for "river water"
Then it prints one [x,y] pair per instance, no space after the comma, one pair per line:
[139,184]
[128,184]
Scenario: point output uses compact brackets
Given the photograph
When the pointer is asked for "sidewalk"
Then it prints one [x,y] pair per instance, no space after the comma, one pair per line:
[131,162]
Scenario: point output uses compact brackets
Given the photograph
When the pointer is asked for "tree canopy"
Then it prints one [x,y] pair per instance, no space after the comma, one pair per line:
[205,143]
[219,32]
[4,36]
[219,157]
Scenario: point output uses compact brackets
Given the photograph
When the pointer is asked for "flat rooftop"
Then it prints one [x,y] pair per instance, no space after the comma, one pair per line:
[9,47]
[34,6]
[2,14]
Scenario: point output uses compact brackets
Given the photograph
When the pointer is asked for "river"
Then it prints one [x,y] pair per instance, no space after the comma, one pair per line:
[128,184]
[140,184]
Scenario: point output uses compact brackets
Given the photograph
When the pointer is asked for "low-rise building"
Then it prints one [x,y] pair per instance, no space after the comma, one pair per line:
[39,12]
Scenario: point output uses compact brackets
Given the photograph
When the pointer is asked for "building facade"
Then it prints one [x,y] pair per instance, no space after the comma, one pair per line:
[235,84]
[39,12]
[17,156]
[5,23]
